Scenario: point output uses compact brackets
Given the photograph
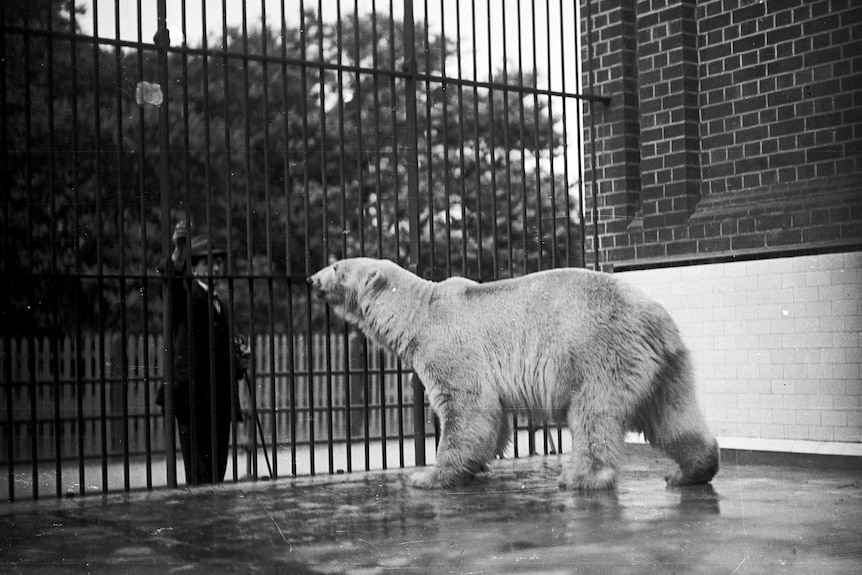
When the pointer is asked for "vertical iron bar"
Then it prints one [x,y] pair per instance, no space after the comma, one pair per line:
[58,426]
[306,187]
[477,158]
[564,118]
[324,217]
[506,142]
[32,384]
[525,223]
[540,238]
[394,149]
[414,262]
[249,227]
[432,256]
[365,354]
[567,203]
[461,137]
[522,140]
[229,272]
[144,283]
[269,253]
[445,121]
[5,261]
[348,385]
[378,193]
[291,382]
[536,143]
[510,256]
[342,184]
[378,189]
[552,172]
[378,183]
[162,43]
[119,222]
[288,249]
[100,270]
[188,281]
[79,336]
[6,253]
[492,156]
[430,269]
[345,332]
[412,159]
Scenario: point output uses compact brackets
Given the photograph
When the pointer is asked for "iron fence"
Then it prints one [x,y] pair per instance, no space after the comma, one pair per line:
[445,136]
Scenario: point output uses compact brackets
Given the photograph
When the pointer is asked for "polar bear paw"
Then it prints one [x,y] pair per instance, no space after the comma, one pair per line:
[681,479]
[601,479]
[437,479]
[426,480]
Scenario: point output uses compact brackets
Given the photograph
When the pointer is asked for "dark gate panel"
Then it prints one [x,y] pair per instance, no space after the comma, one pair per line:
[444,136]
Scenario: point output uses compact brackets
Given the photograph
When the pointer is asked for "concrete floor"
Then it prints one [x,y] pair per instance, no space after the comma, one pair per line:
[783,514]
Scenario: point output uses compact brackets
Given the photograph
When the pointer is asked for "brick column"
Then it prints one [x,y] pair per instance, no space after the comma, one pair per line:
[610,69]
[669,116]
[647,140]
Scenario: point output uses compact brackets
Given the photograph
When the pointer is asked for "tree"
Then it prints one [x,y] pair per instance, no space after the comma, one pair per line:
[296,160]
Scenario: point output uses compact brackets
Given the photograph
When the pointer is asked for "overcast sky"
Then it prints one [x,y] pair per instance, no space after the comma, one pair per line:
[562,45]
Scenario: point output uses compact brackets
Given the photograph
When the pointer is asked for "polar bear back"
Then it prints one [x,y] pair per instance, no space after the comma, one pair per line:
[563,304]
[538,337]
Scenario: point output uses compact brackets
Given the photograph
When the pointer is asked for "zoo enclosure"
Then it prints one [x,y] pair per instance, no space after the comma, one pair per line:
[445,139]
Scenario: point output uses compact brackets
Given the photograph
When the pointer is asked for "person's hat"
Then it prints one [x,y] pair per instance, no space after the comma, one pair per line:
[200,244]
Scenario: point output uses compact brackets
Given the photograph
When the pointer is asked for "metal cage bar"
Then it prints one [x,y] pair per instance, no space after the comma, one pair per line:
[443,136]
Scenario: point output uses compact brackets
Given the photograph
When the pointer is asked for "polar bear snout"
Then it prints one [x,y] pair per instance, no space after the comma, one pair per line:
[325,286]
[316,285]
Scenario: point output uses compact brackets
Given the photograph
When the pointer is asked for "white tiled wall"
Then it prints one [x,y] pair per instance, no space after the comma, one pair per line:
[776,343]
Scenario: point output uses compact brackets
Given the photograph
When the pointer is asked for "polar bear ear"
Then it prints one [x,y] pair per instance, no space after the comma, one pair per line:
[375,281]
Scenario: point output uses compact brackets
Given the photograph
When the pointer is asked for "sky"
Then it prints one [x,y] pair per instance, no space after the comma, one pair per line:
[560,43]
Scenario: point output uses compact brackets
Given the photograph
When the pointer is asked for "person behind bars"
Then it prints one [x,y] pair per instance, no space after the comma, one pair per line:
[193,356]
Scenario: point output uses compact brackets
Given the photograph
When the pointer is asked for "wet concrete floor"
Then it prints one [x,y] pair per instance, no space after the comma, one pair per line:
[787,515]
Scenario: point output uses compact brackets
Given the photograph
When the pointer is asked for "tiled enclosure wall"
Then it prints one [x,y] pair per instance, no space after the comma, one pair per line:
[776,342]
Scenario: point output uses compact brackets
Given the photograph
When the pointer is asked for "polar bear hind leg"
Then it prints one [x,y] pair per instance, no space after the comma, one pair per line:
[598,437]
[673,422]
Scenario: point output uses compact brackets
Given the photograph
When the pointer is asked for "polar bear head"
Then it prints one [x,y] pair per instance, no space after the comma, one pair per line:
[350,285]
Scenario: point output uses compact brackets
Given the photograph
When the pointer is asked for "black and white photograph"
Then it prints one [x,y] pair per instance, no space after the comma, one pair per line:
[368,287]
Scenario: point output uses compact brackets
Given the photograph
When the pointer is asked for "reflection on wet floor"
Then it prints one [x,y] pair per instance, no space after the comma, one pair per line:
[753,519]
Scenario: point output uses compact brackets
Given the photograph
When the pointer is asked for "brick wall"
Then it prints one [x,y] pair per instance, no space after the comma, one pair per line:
[734,126]
[780,91]
[776,343]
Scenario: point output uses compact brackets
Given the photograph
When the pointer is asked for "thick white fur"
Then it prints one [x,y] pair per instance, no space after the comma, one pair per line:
[564,345]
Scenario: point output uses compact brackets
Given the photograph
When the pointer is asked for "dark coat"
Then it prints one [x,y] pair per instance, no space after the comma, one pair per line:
[191,357]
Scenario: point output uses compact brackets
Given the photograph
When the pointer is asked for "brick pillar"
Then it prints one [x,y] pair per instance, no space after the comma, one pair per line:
[669,116]
[644,56]
[610,69]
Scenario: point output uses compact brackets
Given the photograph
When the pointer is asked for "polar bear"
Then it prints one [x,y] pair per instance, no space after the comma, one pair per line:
[563,345]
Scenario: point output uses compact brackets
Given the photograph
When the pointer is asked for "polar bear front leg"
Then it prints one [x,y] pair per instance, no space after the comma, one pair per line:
[441,474]
[468,441]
